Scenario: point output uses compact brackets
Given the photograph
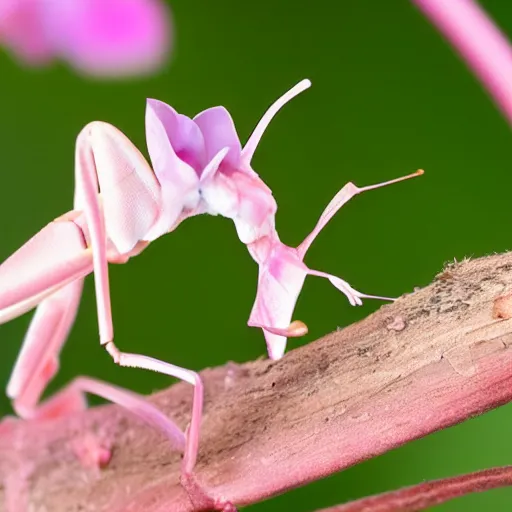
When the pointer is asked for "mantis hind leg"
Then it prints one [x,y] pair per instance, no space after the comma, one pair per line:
[38,360]
[38,363]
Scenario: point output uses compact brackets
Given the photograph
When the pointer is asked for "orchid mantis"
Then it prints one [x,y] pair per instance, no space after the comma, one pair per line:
[120,206]
[133,207]
[231,188]
[113,38]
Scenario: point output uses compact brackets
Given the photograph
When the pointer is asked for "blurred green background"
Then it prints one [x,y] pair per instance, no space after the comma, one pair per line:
[389,96]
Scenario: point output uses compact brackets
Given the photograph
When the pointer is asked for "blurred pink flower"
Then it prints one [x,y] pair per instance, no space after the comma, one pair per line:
[479,41]
[104,38]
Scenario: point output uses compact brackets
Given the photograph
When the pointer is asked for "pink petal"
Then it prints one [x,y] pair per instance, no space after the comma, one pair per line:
[280,282]
[183,134]
[254,139]
[22,31]
[172,172]
[109,37]
[219,132]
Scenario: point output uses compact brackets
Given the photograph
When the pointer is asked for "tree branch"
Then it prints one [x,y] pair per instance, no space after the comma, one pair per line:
[430,360]
[429,494]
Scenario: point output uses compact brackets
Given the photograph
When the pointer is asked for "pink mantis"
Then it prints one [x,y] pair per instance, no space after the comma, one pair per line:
[120,206]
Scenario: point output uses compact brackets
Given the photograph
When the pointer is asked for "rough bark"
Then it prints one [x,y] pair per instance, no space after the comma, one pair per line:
[430,360]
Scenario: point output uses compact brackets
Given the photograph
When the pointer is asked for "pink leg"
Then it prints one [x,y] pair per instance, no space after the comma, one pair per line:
[48,272]
[38,363]
[136,404]
[342,197]
[353,296]
[116,156]
[38,360]
[149,363]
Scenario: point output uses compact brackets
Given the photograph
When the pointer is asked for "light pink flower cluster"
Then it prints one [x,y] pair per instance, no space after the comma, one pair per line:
[103,38]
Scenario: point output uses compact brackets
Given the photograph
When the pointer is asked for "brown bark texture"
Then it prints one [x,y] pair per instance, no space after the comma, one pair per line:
[431,359]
